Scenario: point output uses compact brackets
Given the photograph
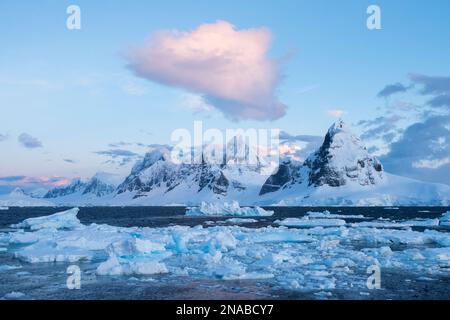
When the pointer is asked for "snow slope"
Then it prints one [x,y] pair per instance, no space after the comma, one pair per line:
[18,198]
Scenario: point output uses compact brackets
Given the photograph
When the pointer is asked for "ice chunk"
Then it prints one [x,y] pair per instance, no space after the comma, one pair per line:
[7,267]
[445,219]
[327,215]
[14,295]
[115,266]
[61,220]
[241,220]
[306,222]
[227,209]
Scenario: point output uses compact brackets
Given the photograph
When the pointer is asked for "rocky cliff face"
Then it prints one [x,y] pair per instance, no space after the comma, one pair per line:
[157,171]
[74,187]
[99,185]
[342,159]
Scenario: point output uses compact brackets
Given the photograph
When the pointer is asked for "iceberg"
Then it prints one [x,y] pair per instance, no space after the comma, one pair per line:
[61,220]
[227,209]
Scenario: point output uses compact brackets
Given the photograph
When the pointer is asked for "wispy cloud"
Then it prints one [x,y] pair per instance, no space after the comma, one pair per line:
[195,103]
[29,141]
[391,89]
[3,137]
[230,68]
[336,113]
[119,156]
[33,182]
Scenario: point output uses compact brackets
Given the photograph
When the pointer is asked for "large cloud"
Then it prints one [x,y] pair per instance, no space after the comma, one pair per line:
[423,151]
[230,68]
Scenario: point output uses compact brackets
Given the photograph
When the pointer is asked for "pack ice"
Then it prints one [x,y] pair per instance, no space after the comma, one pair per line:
[322,255]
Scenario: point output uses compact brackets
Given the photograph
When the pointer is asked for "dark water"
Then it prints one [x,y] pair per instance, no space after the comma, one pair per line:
[48,281]
[164,216]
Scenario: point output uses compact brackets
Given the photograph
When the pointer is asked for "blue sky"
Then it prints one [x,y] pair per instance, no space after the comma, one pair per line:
[67,98]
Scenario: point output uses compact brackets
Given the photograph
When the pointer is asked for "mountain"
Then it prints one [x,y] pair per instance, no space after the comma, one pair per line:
[18,198]
[157,180]
[342,172]
[80,192]
[75,186]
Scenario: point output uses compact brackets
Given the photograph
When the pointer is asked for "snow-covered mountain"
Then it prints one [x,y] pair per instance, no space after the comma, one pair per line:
[342,172]
[157,180]
[18,198]
[80,192]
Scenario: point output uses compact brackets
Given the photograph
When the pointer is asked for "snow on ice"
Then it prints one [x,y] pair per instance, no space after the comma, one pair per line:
[326,254]
[227,209]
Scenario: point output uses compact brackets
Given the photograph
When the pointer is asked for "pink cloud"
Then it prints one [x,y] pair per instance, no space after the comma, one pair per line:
[36,181]
[230,68]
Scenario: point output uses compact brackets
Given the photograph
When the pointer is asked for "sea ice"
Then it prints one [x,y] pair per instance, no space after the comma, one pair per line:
[306,222]
[227,209]
[241,220]
[325,255]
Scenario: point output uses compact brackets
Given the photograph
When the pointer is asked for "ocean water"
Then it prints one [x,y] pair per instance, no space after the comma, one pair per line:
[48,280]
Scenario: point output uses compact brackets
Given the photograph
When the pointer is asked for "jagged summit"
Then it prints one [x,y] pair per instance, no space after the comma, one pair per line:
[342,159]
[17,192]
[101,184]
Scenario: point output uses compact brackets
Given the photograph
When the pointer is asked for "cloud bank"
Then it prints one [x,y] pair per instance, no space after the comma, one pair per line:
[229,68]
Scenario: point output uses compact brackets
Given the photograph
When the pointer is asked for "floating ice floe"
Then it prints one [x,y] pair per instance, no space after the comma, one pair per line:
[241,220]
[3,208]
[325,255]
[61,220]
[445,219]
[14,295]
[227,209]
[327,215]
[399,224]
[307,222]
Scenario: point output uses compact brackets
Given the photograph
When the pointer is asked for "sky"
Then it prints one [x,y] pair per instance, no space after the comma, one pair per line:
[74,102]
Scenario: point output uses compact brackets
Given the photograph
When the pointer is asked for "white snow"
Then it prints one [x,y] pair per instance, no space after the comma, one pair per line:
[227,209]
[325,255]
[18,198]
[327,215]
